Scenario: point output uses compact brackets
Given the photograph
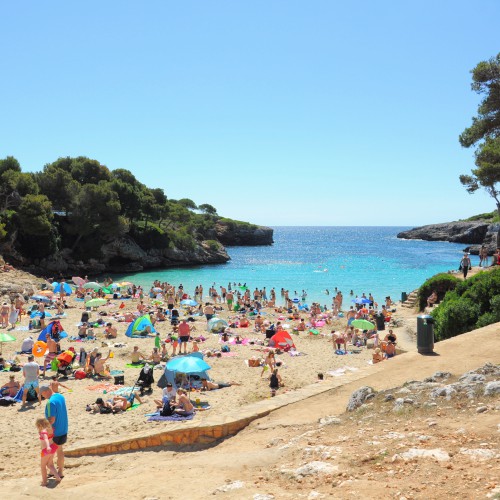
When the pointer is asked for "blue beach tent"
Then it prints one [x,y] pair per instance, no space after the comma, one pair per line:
[138,326]
[50,328]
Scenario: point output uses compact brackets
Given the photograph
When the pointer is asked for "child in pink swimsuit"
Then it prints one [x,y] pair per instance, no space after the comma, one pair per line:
[48,450]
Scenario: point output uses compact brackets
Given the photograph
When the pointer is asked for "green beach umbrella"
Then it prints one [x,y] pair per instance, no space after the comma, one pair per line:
[5,337]
[95,302]
[362,324]
[92,285]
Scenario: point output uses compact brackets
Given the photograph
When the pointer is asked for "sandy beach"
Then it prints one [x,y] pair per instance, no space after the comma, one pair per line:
[317,355]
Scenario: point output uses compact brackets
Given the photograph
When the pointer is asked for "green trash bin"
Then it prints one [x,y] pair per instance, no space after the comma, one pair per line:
[404,296]
[425,334]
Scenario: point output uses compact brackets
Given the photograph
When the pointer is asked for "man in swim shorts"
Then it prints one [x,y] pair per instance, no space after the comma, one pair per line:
[31,371]
[184,332]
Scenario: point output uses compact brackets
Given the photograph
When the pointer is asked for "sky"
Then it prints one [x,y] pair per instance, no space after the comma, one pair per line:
[278,112]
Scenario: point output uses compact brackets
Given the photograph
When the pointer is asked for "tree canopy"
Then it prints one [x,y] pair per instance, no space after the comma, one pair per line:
[80,204]
[484,133]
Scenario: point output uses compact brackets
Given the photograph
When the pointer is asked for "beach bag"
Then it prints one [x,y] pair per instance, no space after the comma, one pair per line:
[167,410]
[80,375]
[225,348]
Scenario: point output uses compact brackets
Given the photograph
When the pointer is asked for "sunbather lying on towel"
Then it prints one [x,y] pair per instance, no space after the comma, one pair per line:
[211,386]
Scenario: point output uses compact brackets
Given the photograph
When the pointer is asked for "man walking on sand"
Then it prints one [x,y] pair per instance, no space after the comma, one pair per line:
[57,415]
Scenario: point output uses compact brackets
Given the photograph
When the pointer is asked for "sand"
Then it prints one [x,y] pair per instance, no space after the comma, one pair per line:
[20,439]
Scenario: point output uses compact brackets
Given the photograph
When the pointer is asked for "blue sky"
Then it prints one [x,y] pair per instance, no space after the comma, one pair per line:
[277,112]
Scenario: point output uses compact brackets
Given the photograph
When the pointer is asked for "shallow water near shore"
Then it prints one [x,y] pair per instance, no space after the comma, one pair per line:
[314,259]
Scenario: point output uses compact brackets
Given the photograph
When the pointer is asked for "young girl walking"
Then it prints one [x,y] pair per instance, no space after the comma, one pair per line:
[48,450]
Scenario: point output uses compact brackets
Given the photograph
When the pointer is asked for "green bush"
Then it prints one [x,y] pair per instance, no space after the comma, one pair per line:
[473,303]
[182,240]
[213,245]
[151,236]
[441,283]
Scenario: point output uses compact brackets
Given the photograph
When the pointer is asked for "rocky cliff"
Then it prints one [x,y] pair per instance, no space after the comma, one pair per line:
[474,234]
[243,235]
[125,255]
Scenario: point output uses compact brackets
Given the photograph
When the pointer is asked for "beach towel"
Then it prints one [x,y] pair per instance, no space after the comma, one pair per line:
[139,365]
[243,341]
[229,354]
[104,387]
[133,407]
[172,418]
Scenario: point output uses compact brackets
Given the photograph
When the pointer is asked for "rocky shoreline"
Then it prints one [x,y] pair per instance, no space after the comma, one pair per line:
[125,255]
[474,234]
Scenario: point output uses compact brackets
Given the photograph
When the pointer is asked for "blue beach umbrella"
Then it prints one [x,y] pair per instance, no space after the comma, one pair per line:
[188,364]
[64,286]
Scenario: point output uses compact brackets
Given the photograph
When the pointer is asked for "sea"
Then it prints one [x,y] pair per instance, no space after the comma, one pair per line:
[320,261]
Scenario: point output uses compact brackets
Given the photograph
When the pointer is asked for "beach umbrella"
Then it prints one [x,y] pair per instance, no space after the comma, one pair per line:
[188,364]
[63,286]
[92,285]
[5,337]
[54,284]
[125,283]
[114,286]
[46,293]
[189,302]
[362,324]
[108,290]
[77,280]
[157,302]
[95,303]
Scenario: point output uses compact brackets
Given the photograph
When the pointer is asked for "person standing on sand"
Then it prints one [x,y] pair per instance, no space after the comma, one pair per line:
[57,415]
[229,300]
[465,265]
[51,354]
[31,371]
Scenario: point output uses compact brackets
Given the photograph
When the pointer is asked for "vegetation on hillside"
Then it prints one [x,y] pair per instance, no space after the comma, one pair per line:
[465,305]
[80,204]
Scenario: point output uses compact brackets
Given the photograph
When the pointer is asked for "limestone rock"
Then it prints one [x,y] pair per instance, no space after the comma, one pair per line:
[359,397]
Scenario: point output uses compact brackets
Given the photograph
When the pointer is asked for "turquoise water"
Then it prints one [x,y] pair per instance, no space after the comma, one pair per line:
[362,259]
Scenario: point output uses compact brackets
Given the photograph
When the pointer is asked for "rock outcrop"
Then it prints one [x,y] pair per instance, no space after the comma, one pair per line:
[17,282]
[124,255]
[474,234]
[243,235]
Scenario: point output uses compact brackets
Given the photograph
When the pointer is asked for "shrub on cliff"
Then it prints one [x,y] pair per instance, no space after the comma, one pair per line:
[473,304]
[149,237]
[441,283]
